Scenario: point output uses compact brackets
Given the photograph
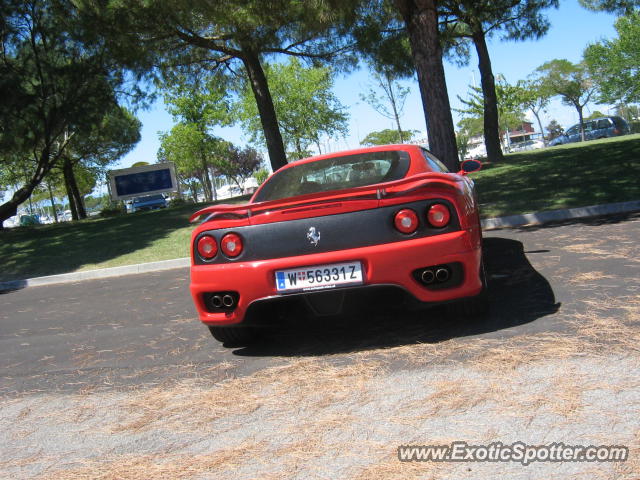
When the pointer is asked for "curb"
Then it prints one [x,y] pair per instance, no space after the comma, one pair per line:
[96,274]
[549,216]
[510,221]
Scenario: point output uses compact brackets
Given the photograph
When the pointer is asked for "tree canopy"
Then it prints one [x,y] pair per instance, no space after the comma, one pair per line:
[388,136]
[238,164]
[198,103]
[306,107]
[475,21]
[569,81]
[509,107]
[614,6]
[55,85]
[533,96]
[394,95]
[554,130]
[90,154]
[195,154]
[614,64]
[234,35]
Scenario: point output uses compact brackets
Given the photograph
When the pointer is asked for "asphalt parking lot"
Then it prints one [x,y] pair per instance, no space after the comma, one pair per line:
[564,299]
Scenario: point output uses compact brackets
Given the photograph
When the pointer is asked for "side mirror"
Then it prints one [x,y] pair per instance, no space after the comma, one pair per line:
[469,166]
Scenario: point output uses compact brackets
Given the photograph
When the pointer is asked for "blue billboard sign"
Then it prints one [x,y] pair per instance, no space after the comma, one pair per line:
[144,180]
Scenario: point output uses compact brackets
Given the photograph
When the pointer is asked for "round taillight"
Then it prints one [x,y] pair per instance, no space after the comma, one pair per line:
[207,246]
[438,215]
[231,245]
[406,221]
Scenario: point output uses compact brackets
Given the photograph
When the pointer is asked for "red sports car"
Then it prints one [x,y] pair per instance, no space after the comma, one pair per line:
[386,219]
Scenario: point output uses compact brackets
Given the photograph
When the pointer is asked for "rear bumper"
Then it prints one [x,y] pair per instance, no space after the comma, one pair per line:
[387,264]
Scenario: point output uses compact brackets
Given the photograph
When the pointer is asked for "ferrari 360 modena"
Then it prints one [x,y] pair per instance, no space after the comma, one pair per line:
[386,220]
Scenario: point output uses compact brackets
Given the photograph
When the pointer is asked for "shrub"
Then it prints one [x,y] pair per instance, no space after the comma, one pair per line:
[176,202]
[112,211]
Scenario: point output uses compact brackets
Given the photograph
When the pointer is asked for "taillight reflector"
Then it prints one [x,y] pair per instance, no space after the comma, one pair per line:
[438,215]
[231,245]
[207,246]
[406,221]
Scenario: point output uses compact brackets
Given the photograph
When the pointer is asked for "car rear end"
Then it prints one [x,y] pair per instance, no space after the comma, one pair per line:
[620,126]
[148,202]
[433,264]
[418,236]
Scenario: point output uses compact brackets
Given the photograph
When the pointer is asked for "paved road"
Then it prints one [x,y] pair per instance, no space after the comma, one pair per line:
[141,330]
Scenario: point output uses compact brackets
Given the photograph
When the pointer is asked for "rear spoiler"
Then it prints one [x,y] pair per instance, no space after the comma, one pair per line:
[379,191]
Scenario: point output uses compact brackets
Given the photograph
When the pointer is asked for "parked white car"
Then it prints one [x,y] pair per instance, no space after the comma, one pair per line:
[479,151]
[527,145]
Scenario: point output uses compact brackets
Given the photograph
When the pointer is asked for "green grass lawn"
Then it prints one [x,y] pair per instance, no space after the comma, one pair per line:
[27,252]
[575,175]
[95,243]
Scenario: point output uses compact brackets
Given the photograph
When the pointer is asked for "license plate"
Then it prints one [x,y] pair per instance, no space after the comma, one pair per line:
[319,277]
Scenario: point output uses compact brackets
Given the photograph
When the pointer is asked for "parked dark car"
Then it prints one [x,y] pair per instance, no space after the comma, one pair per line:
[602,127]
[148,202]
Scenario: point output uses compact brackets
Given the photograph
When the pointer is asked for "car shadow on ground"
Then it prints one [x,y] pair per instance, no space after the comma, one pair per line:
[518,295]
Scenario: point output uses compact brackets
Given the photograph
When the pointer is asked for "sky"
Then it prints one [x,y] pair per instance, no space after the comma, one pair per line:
[572,29]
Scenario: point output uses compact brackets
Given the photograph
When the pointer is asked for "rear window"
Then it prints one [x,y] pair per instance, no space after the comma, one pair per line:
[433,163]
[620,122]
[336,173]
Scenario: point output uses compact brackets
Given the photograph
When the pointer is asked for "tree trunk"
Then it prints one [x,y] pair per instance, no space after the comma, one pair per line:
[200,178]
[537,115]
[581,120]
[298,148]
[73,192]
[214,185]
[491,126]
[77,197]
[53,203]
[421,19]
[67,185]
[394,107]
[206,184]
[10,208]
[194,191]
[268,118]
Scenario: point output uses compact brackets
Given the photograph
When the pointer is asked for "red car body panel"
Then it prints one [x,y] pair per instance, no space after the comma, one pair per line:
[390,263]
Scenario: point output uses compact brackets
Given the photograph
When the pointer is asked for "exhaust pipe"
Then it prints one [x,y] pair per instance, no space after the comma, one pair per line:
[227,301]
[442,274]
[216,301]
[428,276]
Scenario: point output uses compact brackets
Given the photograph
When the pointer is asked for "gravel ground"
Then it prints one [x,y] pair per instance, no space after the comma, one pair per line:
[313,420]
